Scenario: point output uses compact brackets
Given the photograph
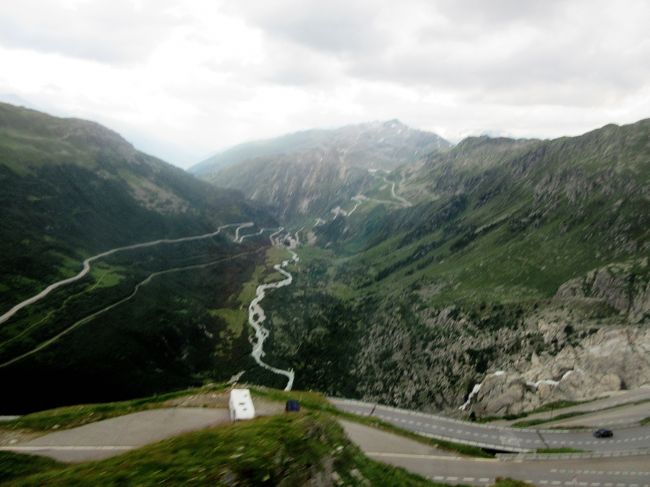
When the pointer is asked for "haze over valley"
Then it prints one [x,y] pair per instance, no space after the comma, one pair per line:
[420,247]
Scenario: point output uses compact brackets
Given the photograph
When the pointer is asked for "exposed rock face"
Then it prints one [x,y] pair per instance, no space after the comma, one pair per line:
[624,287]
[303,184]
[610,360]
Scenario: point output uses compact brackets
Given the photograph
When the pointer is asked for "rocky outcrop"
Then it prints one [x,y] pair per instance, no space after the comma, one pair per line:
[609,360]
[623,286]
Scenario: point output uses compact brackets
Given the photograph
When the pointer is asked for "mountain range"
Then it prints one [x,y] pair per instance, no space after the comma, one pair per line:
[306,174]
[72,189]
[423,267]
[460,263]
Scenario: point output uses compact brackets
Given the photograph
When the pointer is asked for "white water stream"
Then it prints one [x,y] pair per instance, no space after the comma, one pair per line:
[256,316]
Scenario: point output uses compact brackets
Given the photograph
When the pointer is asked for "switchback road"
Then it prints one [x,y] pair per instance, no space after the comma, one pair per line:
[495,437]
[441,466]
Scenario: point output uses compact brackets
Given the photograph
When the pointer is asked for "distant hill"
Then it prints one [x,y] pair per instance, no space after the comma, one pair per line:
[308,173]
[379,145]
[70,189]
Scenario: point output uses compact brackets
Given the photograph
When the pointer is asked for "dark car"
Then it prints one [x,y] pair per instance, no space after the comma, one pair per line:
[292,406]
[603,433]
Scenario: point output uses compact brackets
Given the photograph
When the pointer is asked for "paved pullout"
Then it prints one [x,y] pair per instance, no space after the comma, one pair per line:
[498,437]
[441,466]
[113,436]
[620,416]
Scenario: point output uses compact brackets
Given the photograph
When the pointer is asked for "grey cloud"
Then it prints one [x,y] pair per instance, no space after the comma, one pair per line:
[564,62]
[110,32]
[497,12]
[336,26]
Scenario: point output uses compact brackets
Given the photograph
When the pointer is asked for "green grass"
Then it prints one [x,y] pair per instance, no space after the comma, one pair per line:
[263,273]
[280,450]
[234,317]
[14,465]
[645,421]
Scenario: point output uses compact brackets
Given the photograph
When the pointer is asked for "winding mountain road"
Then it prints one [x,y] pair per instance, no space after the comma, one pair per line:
[443,466]
[501,438]
[94,315]
[256,312]
[86,264]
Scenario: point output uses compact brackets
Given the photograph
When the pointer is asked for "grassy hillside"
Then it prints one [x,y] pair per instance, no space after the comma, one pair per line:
[413,305]
[72,188]
[142,321]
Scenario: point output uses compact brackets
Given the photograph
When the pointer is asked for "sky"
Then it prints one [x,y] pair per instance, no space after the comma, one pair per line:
[183,79]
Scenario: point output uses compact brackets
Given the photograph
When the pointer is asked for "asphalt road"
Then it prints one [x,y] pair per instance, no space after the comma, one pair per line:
[86,264]
[620,416]
[440,466]
[498,437]
[617,399]
[113,436]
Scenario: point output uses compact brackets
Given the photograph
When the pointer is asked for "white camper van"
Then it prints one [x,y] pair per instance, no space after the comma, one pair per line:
[241,405]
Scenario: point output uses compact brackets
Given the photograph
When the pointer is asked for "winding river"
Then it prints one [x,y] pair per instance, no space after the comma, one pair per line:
[256,316]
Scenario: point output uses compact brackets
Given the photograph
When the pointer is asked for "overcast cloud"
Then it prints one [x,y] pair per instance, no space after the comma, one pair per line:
[184,78]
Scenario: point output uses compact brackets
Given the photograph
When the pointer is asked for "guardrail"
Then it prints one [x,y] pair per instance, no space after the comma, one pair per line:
[519,457]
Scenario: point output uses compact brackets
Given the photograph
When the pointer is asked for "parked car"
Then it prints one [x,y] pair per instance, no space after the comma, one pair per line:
[292,406]
[603,433]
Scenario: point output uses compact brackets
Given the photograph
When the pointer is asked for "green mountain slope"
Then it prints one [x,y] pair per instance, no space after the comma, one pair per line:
[430,297]
[72,188]
[141,321]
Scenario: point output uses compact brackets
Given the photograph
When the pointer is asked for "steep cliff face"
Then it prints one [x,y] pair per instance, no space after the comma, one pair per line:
[610,360]
[623,286]
[297,186]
